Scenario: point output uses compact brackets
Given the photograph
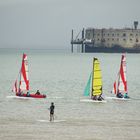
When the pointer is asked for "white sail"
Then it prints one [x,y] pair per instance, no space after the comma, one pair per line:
[15,87]
[120,85]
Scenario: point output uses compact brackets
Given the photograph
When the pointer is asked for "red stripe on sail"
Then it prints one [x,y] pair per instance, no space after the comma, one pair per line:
[122,74]
[16,90]
[115,87]
[23,71]
[19,86]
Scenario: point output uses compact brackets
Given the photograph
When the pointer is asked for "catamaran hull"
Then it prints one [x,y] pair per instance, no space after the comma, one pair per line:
[116,98]
[31,95]
[93,101]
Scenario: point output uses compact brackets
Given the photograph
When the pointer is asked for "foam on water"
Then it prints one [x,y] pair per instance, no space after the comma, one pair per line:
[47,121]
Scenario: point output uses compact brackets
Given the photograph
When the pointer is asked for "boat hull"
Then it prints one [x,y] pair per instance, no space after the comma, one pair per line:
[116,98]
[31,95]
[93,101]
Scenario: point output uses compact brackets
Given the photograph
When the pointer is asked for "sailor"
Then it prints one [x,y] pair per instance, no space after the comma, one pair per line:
[100,98]
[126,95]
[28,94]
[52,111]
[20,93]
[94,97]
[119,95]
[37,92]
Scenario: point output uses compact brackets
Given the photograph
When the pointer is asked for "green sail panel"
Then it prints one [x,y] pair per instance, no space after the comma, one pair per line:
[87,88]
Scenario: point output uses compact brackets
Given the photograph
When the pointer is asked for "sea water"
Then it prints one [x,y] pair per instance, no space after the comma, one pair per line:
[62,76]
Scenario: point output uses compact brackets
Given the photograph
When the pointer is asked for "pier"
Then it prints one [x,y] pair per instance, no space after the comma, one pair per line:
[79,42]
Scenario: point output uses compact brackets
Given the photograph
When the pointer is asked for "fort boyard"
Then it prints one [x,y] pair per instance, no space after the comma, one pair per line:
[108,40]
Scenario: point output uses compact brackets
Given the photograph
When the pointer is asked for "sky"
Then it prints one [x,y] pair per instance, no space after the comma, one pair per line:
[48,23]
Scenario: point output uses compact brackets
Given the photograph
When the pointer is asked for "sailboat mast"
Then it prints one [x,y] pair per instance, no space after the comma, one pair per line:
[125,71]
[92,79]
[20,75]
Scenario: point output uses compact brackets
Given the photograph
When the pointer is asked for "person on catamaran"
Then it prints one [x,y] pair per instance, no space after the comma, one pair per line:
[20,93]
[28,94]
[37,92]
[100,98]
[126,95]
[52,112]
[119,95]
[94,97]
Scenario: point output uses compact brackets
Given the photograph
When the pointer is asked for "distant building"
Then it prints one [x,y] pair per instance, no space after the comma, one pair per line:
[109,40]
[127,38]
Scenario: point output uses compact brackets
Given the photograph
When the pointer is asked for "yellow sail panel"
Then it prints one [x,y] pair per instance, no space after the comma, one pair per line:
[97,78]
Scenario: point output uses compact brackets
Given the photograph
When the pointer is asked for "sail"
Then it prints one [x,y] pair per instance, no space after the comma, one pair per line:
[115,85]
[15,88]
[122,83]
[87,88]
[24,80]
[114,88]
[96,78]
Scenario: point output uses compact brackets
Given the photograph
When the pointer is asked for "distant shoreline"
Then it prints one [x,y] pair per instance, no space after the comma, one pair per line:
[21,50]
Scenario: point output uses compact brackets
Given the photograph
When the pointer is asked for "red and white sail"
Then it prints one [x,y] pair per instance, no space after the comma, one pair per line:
[115,85]
[120,85]
[15,87]
[24,79]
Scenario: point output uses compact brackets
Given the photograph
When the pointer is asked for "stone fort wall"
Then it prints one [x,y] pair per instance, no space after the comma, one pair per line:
[127,37]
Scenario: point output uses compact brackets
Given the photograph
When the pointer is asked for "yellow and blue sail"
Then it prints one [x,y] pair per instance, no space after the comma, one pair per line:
[96,77]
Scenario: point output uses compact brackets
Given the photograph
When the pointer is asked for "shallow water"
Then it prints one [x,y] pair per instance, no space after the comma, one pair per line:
[63,76]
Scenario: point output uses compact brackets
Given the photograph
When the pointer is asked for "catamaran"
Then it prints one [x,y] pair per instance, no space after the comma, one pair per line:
[21,85]
[95,89]
[120,84]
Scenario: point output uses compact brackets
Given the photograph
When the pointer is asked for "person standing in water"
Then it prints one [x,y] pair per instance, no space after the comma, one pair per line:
[52,112]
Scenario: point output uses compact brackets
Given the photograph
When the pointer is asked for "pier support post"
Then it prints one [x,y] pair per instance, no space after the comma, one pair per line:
[72,41]
[83,40]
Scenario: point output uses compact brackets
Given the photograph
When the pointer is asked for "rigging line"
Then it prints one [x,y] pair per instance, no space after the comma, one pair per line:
[77,35]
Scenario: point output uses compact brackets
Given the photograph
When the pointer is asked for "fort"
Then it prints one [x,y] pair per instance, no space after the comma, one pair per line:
[108,40]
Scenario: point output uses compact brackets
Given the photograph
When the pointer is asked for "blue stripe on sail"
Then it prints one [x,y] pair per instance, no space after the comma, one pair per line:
[87,88]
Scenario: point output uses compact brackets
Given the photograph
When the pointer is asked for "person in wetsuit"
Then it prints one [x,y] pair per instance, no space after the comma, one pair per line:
[126,95]
[94,97]
[37,93]
[100,98]
[119,95]
[52,112]
[28,94]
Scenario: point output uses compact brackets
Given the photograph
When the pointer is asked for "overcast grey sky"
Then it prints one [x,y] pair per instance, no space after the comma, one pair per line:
[48,23]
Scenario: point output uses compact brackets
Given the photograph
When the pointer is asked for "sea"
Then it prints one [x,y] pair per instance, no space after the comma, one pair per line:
[62,76]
